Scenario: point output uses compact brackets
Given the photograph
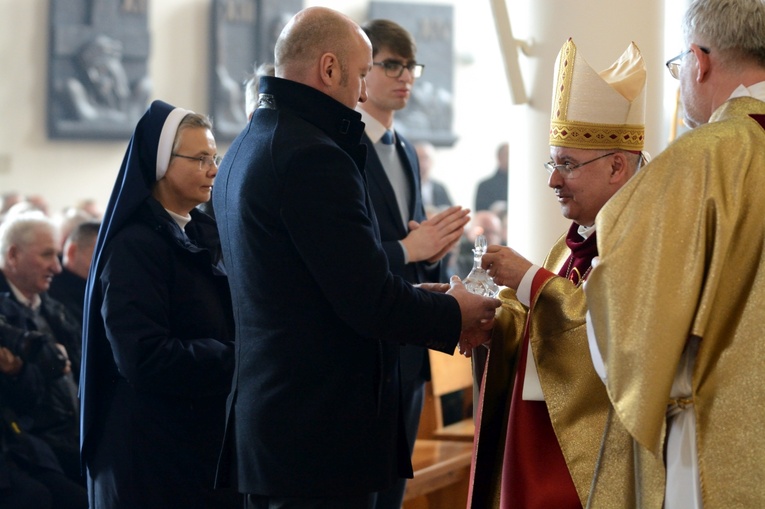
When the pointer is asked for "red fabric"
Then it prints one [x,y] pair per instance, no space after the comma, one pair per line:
[534,474]
[760,119]
[578,265]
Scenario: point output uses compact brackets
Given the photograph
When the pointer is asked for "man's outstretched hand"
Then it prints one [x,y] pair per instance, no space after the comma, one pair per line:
[477,316]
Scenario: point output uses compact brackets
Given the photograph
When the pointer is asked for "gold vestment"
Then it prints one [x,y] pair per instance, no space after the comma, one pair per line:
[682,253]
[575,397]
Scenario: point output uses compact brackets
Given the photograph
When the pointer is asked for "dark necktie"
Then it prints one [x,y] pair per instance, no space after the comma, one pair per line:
[387,138]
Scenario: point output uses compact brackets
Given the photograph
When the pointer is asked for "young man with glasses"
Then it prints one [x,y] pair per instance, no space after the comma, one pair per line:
[542,405]
[413,244]
[676,302]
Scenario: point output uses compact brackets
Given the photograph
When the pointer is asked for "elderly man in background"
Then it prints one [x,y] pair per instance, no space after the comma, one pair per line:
[28,262]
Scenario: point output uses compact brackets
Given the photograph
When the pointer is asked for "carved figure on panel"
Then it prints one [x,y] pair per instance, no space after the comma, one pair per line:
[100,88]
[243,33]
[98,84]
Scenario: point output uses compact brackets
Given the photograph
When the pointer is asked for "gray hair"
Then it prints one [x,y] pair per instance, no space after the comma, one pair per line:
[84,233]
[736,27]
[192,120]
[20,229]
[252,84]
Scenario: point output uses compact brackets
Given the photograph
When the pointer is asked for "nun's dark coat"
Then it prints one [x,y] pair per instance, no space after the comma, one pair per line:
[157,350]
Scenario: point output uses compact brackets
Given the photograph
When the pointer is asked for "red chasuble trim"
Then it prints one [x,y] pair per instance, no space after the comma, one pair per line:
[760,119]
[534,474]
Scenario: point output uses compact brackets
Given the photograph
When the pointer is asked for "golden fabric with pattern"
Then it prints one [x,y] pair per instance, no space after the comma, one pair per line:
[681,251]
[575,397]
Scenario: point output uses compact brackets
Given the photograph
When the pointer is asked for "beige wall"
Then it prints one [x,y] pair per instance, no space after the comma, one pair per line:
[65,171]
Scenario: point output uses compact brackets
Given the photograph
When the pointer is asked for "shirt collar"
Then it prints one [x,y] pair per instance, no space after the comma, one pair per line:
[756,91]
[181,220]
[373,127]
[33,304]
[585,231]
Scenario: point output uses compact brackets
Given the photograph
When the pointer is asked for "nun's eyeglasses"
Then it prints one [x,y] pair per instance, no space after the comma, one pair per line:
[207,161]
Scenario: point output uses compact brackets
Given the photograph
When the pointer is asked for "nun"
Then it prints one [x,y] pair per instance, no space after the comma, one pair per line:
[158,330]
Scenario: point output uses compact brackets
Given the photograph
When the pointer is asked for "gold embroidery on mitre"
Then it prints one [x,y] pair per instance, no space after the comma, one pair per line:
[576,133]
[563,81]
[595,136]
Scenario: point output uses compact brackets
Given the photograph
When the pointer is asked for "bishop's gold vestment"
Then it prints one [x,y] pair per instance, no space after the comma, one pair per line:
[575,397]
[682,253]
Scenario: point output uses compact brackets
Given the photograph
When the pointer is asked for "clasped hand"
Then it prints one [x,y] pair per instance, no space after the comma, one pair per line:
[505,265]
[477,313]
[434,237]
[477,316]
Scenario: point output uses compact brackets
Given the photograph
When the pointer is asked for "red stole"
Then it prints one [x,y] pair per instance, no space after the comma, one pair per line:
[534,474]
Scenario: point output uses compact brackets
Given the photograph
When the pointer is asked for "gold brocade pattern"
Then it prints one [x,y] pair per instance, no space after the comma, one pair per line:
[575,396]
[564,76]
[681,254]
[596,136]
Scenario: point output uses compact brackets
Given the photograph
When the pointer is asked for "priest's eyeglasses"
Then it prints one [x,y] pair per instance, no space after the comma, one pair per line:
[673,64]
[395,68]
[205,162]
[567,169]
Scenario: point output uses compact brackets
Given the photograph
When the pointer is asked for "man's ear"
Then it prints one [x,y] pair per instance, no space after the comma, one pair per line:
[618,167]
[11,257]
[329,67]
[70,250]
[703,63]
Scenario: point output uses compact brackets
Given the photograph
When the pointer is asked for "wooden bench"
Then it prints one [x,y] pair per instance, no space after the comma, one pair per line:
[442,454]
[441,471]
[448,374]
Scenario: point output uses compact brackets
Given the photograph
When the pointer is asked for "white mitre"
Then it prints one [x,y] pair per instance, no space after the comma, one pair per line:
[604,110]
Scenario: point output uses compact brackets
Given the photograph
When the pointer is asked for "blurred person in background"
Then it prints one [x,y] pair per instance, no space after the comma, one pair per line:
[68,287]
[28,263]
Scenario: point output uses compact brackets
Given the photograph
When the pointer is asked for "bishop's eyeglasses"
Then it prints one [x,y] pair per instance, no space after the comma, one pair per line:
[395,68]
[567,169]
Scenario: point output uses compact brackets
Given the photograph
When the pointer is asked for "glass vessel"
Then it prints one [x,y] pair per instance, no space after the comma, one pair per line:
[479,281]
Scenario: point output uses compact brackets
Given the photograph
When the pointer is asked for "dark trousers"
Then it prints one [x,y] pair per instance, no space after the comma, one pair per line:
[65,493]
[24,492]
[412,397]
[354,502]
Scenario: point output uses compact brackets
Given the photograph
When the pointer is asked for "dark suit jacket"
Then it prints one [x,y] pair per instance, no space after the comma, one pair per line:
[491,190]
[441,196]
[315,401]
[414,359]
[69,289]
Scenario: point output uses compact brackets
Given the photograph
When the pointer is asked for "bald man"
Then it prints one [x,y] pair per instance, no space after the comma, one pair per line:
[315,411]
